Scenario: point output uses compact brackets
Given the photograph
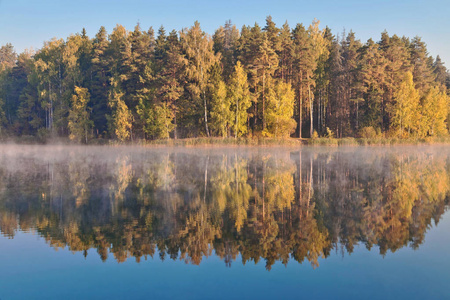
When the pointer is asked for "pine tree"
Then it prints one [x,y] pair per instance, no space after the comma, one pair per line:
[319,48]
[250,43]
[351,47]
[49,68]
[336,107]
[30,114]
[100,80]
[141,84]
[440,71]
[170,77]
[198,49]
[372,65]
[225,42]
[397,57]
[7,57]
[422,66]
[266,63]
[303,69]
[285,53]
[13,81]
[322,79]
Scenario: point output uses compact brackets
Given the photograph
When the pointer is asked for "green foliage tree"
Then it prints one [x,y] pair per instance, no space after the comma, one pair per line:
[99,81]
[170,77]
[319,50]
[198,49]
[221,114]
[225,42]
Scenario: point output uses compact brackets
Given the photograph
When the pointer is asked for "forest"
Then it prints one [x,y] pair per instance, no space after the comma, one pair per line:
[258,81]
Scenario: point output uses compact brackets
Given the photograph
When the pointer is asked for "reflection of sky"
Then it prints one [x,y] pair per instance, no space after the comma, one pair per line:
[29,23]
[30,269]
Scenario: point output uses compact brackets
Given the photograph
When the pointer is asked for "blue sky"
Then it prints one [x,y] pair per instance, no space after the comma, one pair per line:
[28,23]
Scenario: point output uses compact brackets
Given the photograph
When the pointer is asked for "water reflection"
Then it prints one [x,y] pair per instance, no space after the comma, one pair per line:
[271,205]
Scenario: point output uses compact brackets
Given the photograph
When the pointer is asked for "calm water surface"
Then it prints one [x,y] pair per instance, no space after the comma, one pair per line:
[224,223]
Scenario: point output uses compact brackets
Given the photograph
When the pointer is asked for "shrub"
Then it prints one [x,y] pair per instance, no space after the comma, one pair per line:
[368,132]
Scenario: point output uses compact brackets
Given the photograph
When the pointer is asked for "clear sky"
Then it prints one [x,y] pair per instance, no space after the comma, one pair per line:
[28,23]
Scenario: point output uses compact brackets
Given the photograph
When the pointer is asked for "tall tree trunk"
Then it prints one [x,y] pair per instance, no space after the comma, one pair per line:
[237,118]
[310,111]
[300,108]
[300,104]
[175,123]
[206,115]
[263,102]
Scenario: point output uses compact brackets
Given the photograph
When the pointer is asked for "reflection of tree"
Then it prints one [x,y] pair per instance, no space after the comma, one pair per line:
[261,206]
[8,223]
[122,178]
[196,237]
[78,175]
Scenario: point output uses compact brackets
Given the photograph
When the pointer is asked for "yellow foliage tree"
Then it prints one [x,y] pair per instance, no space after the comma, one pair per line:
[79,122]
[434,113]
[241,101]
[405,110]
[120,121]
[280,110]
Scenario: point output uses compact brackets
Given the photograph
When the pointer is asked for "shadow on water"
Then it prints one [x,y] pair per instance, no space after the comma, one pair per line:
[257,204]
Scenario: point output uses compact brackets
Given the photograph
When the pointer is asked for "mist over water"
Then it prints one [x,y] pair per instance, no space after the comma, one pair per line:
[291,206]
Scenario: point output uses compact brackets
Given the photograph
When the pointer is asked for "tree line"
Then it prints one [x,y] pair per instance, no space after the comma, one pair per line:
[257,81]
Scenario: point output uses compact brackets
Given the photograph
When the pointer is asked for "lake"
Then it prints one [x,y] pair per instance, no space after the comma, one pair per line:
[224,223]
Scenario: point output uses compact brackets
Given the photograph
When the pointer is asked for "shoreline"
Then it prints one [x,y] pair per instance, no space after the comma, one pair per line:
[240,142]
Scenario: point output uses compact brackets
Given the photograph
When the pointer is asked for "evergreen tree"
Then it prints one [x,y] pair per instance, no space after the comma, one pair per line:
[49,68]
[170,77]
[351,47]
[372,65]
[30,113]
[303,68]
[397,57]
[7,57]
[440,71]
[285,53]
[248,48]
[422,66]
[100,80]
[198,49]
[142,79]
[266,64]
[319,48]
[225,42]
